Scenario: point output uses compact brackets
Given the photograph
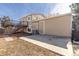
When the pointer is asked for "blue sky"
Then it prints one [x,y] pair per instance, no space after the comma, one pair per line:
[16,10]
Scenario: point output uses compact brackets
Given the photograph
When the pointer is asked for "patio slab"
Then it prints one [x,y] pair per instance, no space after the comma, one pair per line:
[55,44]
[61,42]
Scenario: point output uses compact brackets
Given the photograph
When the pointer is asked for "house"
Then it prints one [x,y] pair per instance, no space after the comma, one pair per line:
[56,25]
[27,20]
[59,25]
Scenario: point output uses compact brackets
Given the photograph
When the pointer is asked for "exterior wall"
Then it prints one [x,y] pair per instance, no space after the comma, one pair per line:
[23,21]
[33,17]
[30,18]
[37,17]
[59,26]
[41,27]
[35,26]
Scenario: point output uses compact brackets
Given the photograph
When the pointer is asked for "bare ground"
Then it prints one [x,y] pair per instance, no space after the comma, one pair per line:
[20,47]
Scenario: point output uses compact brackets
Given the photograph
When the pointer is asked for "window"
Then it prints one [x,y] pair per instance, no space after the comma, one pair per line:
[28,18]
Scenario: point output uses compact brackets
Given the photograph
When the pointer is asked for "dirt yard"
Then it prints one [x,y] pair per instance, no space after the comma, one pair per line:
[20,47]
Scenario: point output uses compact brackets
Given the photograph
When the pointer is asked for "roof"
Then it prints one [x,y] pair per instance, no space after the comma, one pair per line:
[34,14]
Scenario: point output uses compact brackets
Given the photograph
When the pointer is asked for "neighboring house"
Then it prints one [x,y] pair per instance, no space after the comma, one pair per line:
[31,17]
[28,19]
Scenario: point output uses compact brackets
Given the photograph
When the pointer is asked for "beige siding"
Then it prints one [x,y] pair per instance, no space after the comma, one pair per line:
[41,27]
[35,26]
[59,26]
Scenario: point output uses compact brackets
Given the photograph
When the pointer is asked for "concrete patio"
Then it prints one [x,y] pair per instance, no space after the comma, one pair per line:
[56,44]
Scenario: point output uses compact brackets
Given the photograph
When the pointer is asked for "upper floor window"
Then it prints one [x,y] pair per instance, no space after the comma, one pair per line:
[29,18]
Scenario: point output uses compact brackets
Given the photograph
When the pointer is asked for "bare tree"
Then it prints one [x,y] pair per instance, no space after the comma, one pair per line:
[75,22]
[6,21]
[7,24]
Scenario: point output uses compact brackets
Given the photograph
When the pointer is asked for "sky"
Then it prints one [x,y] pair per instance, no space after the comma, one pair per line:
[17,10]
[61,8]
